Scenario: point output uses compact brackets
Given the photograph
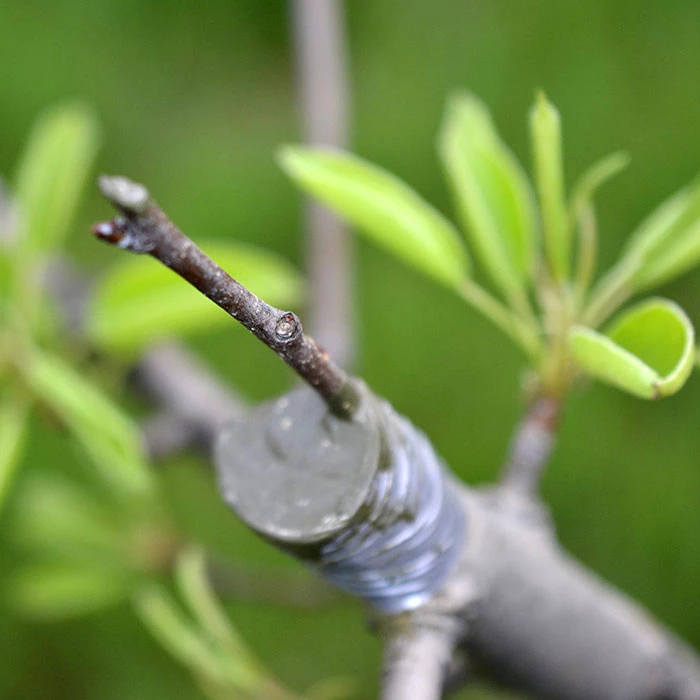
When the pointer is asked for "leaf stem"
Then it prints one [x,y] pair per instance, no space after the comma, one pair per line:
[611,292]
[523,332]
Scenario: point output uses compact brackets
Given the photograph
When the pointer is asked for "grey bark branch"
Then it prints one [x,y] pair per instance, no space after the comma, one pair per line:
[531,447]
[417,655]
[543,623]
[144,228]
[193,403]
[320,49]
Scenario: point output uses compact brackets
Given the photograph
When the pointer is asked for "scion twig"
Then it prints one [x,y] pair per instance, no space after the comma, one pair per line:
[144,228]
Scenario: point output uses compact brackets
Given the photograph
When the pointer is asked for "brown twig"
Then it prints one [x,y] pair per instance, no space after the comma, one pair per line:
[144,228]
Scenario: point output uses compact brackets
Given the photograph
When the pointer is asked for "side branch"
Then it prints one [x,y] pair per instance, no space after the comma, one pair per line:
[417,657]
[322,70]
[193,404]
[144,228]
[532,447]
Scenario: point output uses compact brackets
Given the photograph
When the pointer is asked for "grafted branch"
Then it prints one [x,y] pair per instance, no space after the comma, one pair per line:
[144,228]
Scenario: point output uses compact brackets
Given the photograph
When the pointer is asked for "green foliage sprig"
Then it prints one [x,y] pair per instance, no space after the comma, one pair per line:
[536,245]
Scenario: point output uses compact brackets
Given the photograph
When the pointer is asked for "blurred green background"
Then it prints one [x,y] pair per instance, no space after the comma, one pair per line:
[195,97]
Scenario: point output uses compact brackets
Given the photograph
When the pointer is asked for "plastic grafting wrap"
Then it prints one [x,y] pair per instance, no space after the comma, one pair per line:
[367,502]
[403,549]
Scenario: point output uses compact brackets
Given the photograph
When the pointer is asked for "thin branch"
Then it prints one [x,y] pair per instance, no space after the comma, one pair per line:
[417,657]
[164,434]
[532,447]
[144,228]
[322,71]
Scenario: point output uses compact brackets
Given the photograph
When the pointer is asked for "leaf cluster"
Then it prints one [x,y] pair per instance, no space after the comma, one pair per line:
[536,244]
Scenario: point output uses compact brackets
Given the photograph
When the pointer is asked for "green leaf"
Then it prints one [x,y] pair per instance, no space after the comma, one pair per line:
[166,622]
[55,517]
[55,591]
[673,260]
[194,586]
[52,175]
[389,212]
[667,243]
[493,195]
[545,133]
[582,217]
[139,302]
[109,437]
[648,352]
[14,415]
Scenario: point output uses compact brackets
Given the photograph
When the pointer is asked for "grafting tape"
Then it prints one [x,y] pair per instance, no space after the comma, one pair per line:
[367,502]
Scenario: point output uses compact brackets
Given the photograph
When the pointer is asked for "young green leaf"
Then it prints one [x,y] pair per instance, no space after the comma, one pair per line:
[56,518]
[56,591]
[109,437]
[493,195]
[545,132]
[388,211]
[649,351]
[14,414]
[52,174]
[194,587]
[139,302]
[667,244]
[166,622]
[672,260]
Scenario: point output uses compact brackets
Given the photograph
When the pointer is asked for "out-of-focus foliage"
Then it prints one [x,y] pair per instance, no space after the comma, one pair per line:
[87,551]
[194,99]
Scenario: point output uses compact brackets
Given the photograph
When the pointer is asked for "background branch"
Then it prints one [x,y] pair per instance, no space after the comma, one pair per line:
[193,403]
[417,656]
[320,49]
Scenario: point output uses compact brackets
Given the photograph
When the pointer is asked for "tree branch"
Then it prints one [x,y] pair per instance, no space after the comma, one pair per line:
[144,228]
[193,403]
[417,656]
[323,82]
[531,447]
